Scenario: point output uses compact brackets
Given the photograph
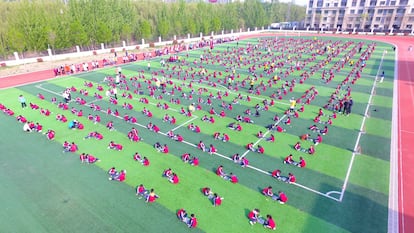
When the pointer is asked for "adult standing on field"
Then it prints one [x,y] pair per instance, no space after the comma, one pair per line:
[22,101]
[348,108]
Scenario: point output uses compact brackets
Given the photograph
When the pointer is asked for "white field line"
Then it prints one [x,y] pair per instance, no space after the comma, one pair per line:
[217,154]
[181,125]
[264,136]
[354,152]
[393,213]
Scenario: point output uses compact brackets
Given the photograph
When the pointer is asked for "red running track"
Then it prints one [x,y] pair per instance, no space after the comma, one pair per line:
[405,134]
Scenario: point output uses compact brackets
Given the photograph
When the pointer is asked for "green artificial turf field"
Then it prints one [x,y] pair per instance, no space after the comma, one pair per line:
[46,190]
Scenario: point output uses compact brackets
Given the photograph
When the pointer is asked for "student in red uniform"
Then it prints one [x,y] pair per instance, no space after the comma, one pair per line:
[83,158]
[281,197]
[297,146]
[317,140]
[185,157]
[174,179]
[220,172]
[253,216]
[233,178]
[225,137]
[152,196]
[212,149]
[289,159]
[260,149]
[182,215]
[270,223]
[276,174]
[291,178]
[271,138]
[92,159]
[244,162]
[141,191]
[194,161]
[145,162]
[50,134]
[192,222]
[302,162]
[217,200]
[121,176]
[311,150]
[268,192]
[207,192]
[167,173]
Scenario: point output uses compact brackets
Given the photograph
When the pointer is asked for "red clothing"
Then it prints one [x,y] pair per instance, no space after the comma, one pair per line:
[282,197]
[267,191]
[234,179]
[175,179]
[217,201]
[122,176]
[261,150]
[220,171]
[271,224]
[193,222]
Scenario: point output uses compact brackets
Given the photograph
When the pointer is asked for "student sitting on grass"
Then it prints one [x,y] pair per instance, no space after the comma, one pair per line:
[174,179]
[192,222]
[115,146]
[50,134]
[151,197]
[118,176]
[217,200]
[182,215]
[194,161]
[254,217]
[167,173]
[270,223]
[207,192]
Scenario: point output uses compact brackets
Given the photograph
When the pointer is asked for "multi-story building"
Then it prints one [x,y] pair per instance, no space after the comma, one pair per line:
[366,15]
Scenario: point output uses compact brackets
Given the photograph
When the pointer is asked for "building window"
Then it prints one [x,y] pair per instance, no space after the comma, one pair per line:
[403,2]
[319,3]
[310,2]
[373,3]
[400,11]
[411,19]
[352,11]
[371,11]
[335,4]
[390,11]
[360,11]
[379,11]
[327,5]
[354,2]
[377,19]
[341,12]
[334,12]
[409,26]
[325,11]
[362,3]
[412,10]
[392,3]
[309,12]
[349,25]
[382,3]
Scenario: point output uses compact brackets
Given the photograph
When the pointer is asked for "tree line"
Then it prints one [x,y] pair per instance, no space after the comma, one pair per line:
[36,25]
